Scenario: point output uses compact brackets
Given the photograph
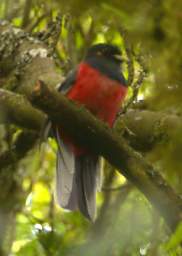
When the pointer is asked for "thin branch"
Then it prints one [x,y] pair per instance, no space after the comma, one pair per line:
[26,13]
[36,23]
[129,54]
[52,33]
[107,197]
[115,189]
[136,84]
[6,8]
[23,143]
[110,210]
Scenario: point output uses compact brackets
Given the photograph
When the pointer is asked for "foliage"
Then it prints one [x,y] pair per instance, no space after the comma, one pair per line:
[127,224]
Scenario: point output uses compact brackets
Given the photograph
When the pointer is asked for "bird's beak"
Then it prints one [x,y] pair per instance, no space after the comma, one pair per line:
[118,58]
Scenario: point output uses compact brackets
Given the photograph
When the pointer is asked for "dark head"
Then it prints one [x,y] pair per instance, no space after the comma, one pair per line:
[107,51]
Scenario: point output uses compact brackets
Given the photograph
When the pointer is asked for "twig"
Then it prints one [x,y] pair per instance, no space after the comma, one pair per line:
[26,13]
[53,32]
[129,54]
[6,8]
[32,26]
[136,84]
[133,81]
[107,196]
[24,142]
[114,189]
[112,209]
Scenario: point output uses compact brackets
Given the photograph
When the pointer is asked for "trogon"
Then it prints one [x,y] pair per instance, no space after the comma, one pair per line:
[98,84]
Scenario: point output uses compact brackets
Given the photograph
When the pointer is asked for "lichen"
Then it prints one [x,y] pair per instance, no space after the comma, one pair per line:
[38,52]
[4,22]
[11,39]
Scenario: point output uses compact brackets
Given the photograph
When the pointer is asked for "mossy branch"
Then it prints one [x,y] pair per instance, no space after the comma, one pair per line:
[34,63]
[93,134]
[15,108]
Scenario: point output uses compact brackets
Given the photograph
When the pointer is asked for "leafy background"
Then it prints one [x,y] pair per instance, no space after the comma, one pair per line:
[127,224]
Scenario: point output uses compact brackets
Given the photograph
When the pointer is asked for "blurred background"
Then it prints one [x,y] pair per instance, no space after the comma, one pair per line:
[126,225]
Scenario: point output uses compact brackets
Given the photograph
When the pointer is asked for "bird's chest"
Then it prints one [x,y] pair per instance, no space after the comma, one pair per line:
[98,93]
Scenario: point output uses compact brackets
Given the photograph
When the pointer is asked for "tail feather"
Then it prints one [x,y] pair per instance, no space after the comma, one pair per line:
[86,177]
[65,172]
[99,176]
[65,185]
[77,180]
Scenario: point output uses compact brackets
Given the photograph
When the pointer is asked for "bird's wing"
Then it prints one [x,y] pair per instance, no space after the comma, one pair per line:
[77,181]
[77,178]
[65,159]
[68,82]
[64,87]
[65,171]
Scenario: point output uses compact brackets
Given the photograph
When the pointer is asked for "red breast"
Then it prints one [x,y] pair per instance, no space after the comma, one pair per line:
[98,93]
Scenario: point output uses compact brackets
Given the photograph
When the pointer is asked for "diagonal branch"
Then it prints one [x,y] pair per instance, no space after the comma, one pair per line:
[15,108]
[100,139]
[76,121]
[86,130]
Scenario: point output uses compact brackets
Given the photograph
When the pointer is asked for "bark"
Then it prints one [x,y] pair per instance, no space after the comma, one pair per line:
[24,60]
[148,128]
[17,110]
[26,14]
[93,134]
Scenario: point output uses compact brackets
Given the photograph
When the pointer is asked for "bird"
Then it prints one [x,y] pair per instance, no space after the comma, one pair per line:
[98,84]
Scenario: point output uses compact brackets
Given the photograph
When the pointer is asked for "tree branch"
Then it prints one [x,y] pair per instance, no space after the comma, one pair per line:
[23,143]
[148,128]
[93,134]
[16,109]
[34,63]
[26,14]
